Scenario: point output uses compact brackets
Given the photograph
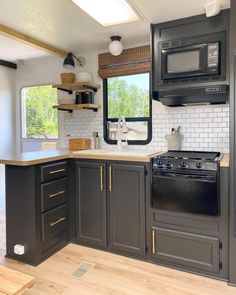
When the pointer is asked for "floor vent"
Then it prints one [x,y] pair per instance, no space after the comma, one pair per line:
[83,269]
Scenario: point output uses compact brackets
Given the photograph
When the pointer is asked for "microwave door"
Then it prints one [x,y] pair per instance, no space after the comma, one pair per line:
[184,62]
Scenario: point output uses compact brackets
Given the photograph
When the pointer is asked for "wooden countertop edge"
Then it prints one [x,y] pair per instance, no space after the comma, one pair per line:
[70,155]
[224,161]
[145,159]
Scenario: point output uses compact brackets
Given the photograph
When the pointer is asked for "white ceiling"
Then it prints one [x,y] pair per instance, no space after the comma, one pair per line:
[12,50]
[62,24]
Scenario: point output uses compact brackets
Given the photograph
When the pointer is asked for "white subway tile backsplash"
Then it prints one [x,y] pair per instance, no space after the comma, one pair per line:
[203,128]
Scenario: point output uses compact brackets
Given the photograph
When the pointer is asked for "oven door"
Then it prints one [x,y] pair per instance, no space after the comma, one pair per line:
[183,62]
[186,192]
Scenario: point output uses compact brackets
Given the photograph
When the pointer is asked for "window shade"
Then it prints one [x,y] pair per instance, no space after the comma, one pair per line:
[131,61]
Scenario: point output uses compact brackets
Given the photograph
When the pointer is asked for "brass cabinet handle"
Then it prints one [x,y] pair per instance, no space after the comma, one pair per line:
[110,178]
[57,171]
[101,178]
[56,194]
[58,221]
[153,241]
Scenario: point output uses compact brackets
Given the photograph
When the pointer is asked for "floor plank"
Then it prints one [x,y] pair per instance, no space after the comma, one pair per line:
[112,274]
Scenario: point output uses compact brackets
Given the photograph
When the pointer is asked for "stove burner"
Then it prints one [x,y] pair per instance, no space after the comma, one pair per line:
[207,156]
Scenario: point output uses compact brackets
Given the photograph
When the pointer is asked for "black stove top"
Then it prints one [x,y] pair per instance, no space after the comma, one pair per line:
[191,155]
[186,160]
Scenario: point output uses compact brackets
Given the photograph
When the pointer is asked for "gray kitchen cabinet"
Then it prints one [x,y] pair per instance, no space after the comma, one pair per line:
[187,249]
[38,201]
[91,203]
[115,203]
[126,205]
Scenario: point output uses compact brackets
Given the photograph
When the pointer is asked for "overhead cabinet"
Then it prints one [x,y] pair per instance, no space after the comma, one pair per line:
[110,200]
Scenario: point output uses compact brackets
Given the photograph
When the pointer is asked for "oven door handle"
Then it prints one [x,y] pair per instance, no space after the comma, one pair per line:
[204,178]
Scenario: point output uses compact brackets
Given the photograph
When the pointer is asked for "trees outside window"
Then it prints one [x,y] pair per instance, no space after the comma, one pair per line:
[39,119]
[128,96]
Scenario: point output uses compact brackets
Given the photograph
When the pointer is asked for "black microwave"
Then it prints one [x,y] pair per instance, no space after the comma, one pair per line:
[193,59]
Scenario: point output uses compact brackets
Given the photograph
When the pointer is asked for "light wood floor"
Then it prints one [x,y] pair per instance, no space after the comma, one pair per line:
[113,274]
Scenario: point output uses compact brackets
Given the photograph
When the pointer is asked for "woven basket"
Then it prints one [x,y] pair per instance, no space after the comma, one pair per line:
[67,78]
[79,143]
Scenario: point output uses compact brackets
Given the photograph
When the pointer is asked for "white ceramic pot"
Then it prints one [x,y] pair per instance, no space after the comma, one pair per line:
[83,77]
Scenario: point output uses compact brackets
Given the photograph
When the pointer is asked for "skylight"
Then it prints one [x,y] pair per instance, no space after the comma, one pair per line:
[108,12]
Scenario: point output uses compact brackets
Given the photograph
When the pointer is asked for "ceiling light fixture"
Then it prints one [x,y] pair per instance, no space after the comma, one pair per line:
[108,12]
[115,47]
[69,62]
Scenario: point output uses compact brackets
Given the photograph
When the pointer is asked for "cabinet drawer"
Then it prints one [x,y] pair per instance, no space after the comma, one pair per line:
[53,222]
[53,194]
[53,171]
[186,249]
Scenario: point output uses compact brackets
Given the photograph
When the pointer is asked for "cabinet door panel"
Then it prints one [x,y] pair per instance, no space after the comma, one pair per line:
[91,203]
[126,187]
[186,249]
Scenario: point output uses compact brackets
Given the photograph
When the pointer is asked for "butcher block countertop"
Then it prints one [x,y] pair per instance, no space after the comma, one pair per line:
[225,160]
[39,157]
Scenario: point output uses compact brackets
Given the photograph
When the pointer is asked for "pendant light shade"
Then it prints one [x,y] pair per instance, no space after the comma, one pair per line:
[115,47]
[69,62]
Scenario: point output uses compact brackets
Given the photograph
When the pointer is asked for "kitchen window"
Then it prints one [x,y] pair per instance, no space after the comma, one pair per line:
[128,96]
[39,121]
[126,93]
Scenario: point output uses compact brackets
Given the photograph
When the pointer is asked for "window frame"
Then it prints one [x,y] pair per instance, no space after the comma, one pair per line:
[21,116]
[137,119]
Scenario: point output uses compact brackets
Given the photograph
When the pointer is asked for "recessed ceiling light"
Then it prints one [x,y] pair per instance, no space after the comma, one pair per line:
[108,12]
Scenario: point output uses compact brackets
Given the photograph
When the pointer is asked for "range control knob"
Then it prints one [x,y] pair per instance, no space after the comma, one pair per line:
[159,162]
[183,164]
[168,163]
[199,165]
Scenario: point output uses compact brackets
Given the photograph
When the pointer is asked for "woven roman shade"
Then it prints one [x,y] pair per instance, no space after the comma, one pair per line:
[131,61]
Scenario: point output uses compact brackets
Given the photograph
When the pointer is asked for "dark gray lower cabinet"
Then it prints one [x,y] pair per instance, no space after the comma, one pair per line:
[38,201]
[91,202]
[110,197]
[187,249]
[126,208]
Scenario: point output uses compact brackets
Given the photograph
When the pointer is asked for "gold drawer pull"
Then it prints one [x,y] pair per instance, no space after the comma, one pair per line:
[57,171]
[101,178]
[56,194]
[153,241]
[56,222]
[110,178]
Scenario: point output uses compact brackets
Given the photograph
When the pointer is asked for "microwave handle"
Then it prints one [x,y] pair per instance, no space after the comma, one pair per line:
[203,59]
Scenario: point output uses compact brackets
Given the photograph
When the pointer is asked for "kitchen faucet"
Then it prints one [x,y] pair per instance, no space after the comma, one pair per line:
[122,128]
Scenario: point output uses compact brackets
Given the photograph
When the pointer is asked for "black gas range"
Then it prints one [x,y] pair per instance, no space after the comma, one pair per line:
[187,160]
[187,182]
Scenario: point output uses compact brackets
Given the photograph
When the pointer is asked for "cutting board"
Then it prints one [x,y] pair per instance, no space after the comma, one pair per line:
[13,282]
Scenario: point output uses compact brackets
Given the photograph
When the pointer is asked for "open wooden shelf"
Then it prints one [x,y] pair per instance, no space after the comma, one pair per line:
[77,86]
[74,107]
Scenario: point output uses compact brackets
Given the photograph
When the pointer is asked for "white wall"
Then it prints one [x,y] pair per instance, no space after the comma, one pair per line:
[7,121]
[38,71]
[203,127]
